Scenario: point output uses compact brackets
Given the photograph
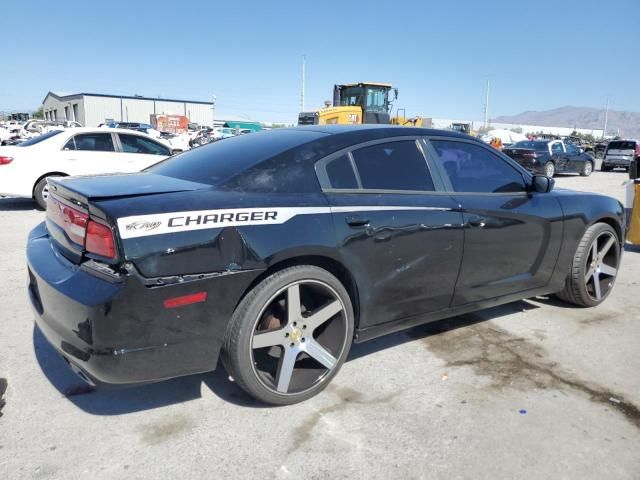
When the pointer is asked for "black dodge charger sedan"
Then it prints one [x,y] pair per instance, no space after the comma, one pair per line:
[550,157]
[275,251]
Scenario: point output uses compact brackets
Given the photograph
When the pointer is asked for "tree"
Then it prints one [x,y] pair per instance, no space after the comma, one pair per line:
[38,113]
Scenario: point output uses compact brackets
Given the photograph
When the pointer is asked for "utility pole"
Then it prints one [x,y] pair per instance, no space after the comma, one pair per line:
[213,111]
[606,117]
[304,62]
[486,108]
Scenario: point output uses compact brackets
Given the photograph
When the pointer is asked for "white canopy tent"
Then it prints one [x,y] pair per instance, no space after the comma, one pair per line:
[506,136]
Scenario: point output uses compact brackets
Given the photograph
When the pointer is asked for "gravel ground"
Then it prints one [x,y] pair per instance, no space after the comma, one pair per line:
[533,389]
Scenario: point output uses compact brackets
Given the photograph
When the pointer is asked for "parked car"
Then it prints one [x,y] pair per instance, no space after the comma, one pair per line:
[550,157]
[226,132]
[42,126]
[277,250]
[620,153]
[24,168]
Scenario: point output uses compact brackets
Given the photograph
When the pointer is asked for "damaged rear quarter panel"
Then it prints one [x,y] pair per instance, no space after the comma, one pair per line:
[246,247]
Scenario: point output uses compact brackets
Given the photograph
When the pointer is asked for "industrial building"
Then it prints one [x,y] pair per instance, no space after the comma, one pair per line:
[445,123]
[92,109]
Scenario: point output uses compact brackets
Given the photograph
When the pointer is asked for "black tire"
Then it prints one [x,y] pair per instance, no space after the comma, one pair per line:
[40,193]
[579,286]
[549,169]
[587,169]
[243,360]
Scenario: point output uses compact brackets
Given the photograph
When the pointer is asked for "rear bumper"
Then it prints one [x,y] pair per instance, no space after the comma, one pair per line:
[616,162]
[117,331]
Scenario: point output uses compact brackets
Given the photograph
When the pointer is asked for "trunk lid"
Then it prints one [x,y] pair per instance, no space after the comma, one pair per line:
[524,156]
[72,204]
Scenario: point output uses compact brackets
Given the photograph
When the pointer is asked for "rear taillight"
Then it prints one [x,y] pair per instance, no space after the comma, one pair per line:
[637,150]
[95,237]
[100,240]
[5,160]
[72,221]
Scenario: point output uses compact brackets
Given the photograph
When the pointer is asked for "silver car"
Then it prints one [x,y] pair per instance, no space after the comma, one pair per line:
[620,153]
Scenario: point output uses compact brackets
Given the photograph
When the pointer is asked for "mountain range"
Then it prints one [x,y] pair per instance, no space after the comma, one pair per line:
[624,124]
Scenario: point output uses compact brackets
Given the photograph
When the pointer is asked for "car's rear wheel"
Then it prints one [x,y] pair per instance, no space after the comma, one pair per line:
[587,168]
[41,193]
[605,168]
[289,335]
[594,268]
[549,169]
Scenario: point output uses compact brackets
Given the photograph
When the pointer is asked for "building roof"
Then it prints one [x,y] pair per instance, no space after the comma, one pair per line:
[66,95]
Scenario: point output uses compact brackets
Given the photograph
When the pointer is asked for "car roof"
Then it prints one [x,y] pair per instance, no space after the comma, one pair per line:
[74,130]
[376,130]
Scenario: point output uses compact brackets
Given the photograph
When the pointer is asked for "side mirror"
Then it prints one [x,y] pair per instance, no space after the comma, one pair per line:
[542,184]
[395,94]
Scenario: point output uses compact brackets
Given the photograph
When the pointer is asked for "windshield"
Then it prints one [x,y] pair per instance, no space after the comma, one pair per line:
[376,99]
[530,144]
[351,96]
[39,138]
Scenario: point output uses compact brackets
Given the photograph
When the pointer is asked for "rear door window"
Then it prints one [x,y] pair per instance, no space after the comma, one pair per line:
[340,173]
[96,142]
[475,168]
[393,166]
[138,144]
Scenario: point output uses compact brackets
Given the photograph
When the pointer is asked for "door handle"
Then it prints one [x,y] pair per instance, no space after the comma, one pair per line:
[356,221]
[475,221]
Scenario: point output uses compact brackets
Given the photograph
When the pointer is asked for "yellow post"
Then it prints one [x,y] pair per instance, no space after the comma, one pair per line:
[633,234]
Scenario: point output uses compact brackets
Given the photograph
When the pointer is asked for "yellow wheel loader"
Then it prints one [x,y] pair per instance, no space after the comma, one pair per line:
[357,103]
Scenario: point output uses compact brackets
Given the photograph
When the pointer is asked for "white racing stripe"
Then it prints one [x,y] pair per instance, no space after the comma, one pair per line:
[163,223]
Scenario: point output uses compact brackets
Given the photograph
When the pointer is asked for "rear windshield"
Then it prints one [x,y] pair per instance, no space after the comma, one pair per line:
[622,145]
[217,162]
[39,138]
[531,144]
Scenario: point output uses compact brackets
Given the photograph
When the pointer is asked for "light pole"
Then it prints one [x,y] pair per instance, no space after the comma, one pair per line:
[606,117]
[213,112]
[486,108]
[304,62]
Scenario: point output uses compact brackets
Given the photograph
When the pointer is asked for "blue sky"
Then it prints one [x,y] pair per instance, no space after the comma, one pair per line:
[538,55]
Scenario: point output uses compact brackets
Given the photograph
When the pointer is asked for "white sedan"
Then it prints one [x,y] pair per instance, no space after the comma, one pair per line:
[24,168]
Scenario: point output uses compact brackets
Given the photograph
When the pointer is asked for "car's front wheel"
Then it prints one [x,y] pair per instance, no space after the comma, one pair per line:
[289,335]
[549,169]
[594,267]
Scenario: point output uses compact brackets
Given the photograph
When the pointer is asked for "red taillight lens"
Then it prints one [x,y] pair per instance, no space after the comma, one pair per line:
[637,150]
[72,221]
[5,160]
[100,240]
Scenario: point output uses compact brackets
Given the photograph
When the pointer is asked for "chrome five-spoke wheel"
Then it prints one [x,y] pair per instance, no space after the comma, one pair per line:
[594,267]
[300,328]
[601,265]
